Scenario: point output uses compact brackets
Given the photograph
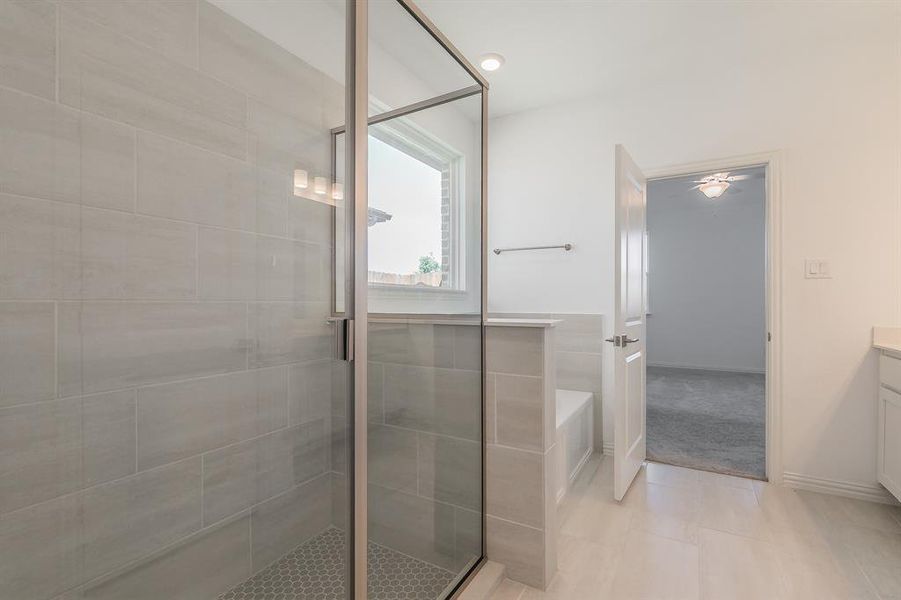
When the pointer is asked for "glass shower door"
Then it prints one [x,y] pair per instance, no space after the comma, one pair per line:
[172,399]
[425,306]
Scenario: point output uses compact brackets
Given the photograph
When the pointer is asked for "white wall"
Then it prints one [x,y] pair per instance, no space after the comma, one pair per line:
[821,85]
[707,275]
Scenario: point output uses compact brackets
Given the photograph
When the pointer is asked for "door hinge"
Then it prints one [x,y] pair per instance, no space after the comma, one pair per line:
[769,336]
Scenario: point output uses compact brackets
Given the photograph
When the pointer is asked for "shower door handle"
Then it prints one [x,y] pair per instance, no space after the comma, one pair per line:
[344,337]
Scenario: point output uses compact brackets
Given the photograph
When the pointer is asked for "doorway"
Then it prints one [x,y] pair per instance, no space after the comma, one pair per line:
[707,320]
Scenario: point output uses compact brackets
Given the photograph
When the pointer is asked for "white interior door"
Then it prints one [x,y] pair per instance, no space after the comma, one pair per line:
[629,323]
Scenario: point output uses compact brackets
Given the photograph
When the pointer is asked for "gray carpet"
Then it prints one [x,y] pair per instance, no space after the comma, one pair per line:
[709,420]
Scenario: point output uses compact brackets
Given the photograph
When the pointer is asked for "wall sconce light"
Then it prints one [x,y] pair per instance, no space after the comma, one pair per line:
[320,186]
[337,191]
[301,179]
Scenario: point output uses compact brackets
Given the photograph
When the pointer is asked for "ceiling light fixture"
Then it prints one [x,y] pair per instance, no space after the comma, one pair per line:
[491,61]
[714,188]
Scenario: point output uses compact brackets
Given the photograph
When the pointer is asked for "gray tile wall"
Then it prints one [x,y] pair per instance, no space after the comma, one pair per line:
[580,347]
[521,427]
[424,441]
[165,365]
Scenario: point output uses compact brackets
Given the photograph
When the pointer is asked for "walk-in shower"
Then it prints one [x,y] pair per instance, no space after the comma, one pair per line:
[241,301]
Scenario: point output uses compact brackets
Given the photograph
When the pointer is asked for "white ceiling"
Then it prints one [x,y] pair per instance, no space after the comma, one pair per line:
[563,49]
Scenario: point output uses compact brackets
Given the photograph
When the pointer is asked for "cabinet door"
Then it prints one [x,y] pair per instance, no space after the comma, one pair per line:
[889,467]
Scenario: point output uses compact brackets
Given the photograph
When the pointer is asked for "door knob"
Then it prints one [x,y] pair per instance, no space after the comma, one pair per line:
[621,341]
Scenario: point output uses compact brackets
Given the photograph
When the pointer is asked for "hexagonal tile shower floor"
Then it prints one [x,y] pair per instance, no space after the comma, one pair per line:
[315,571]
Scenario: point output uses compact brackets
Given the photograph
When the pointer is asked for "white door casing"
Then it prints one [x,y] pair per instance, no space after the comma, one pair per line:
[629,435]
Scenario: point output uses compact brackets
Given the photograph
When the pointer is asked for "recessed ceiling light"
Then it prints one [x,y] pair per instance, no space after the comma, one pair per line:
[491,61]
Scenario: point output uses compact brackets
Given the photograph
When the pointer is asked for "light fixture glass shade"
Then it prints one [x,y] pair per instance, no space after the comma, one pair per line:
[714,189]
[301,179]
[320,186]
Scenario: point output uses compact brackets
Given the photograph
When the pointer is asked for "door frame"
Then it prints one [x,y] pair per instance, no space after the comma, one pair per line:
[772,161]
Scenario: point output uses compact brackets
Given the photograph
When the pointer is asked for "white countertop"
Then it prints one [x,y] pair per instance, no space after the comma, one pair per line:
[887,338]
[522,322]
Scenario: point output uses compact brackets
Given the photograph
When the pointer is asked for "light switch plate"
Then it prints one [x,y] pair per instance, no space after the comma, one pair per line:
[817,268]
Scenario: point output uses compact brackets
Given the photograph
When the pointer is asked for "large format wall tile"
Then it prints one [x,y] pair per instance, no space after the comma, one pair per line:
[167,26]
[579,371]
[311,221]
[468,347]
[517,485]
[393,454]
[53,152]
[515,350]
[247,60]
[287,332]
[40,549]
[289,270]
[179,181]
[580,333]
[340,510]
[182,419]
[519,405]
[41,245]
[281,142]
[28,46]
[310,391]
[415,526]
[412,344]
[112,345]
[244,474]
[286,521]
[129,256]
[450,470]
[203,566]
[110,75]
[273,191]
[135,516]
[51,448]
[435,400]
[519,548]
[26,352]
[226,264]
[467,537]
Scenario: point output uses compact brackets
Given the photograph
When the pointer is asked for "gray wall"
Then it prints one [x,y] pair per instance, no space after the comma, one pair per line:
[424,467]
[520,436]
[164,357]
[706,277]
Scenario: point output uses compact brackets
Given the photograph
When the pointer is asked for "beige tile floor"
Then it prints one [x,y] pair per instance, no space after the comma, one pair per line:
[681,533]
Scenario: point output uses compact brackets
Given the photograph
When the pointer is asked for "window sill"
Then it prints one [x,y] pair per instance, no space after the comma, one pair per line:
[409,290]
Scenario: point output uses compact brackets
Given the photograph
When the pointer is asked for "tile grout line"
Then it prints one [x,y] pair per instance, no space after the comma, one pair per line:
[137,445]
[57,9]
[318,361]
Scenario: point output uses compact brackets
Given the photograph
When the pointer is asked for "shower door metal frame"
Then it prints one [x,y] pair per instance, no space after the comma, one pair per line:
[357,98]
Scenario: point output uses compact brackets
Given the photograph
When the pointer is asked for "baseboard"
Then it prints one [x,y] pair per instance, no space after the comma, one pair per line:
[848,489]
[607,449]
[717,369]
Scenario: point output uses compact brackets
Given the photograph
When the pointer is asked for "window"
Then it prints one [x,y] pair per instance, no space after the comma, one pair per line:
[413,209]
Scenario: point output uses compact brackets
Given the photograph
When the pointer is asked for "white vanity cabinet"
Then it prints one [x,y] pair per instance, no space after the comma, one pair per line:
[889,434]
